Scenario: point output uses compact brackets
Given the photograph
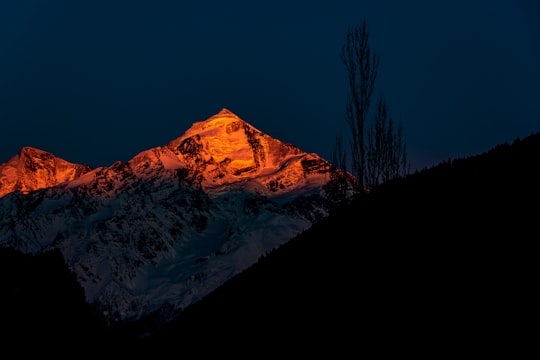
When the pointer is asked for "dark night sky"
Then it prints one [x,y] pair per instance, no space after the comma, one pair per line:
[98,81]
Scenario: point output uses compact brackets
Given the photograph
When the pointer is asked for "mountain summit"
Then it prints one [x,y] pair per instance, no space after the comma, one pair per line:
[32,169]
[228,152]
[159,232]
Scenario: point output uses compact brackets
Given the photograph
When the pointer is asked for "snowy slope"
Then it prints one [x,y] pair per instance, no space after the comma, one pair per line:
[166,228]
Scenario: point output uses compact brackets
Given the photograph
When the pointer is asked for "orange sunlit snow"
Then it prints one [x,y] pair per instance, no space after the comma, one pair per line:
[221,153]
[34,169]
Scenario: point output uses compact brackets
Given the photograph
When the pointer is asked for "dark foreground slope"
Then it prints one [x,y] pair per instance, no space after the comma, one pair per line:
[440,262]
[42,306]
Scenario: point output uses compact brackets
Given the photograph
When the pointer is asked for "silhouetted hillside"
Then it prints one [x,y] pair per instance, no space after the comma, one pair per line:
[438,261]
[42,306]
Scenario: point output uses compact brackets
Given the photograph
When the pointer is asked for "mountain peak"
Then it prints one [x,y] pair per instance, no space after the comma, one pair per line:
[32,169]
[30,149]
[224,117]
[226,112]
[226,150]
[34,154]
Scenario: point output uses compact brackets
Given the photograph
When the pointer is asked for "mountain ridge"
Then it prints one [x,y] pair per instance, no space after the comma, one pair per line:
[203,144]
[444,263]
[162,230]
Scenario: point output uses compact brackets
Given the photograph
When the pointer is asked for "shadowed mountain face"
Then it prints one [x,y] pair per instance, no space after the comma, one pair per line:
[161,231]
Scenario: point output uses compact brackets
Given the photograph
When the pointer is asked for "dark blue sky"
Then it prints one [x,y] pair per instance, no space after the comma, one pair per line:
[98,81]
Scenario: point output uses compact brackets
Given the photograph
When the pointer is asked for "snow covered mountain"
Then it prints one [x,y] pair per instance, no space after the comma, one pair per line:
[161,231]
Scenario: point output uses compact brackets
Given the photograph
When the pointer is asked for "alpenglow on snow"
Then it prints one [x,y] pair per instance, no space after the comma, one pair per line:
[164,229]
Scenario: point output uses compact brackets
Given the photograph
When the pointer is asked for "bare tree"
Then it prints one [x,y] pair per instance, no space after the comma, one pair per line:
[339,156]
[386,155]
[362,66]
[380,154]
[376,145]
[399,165]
